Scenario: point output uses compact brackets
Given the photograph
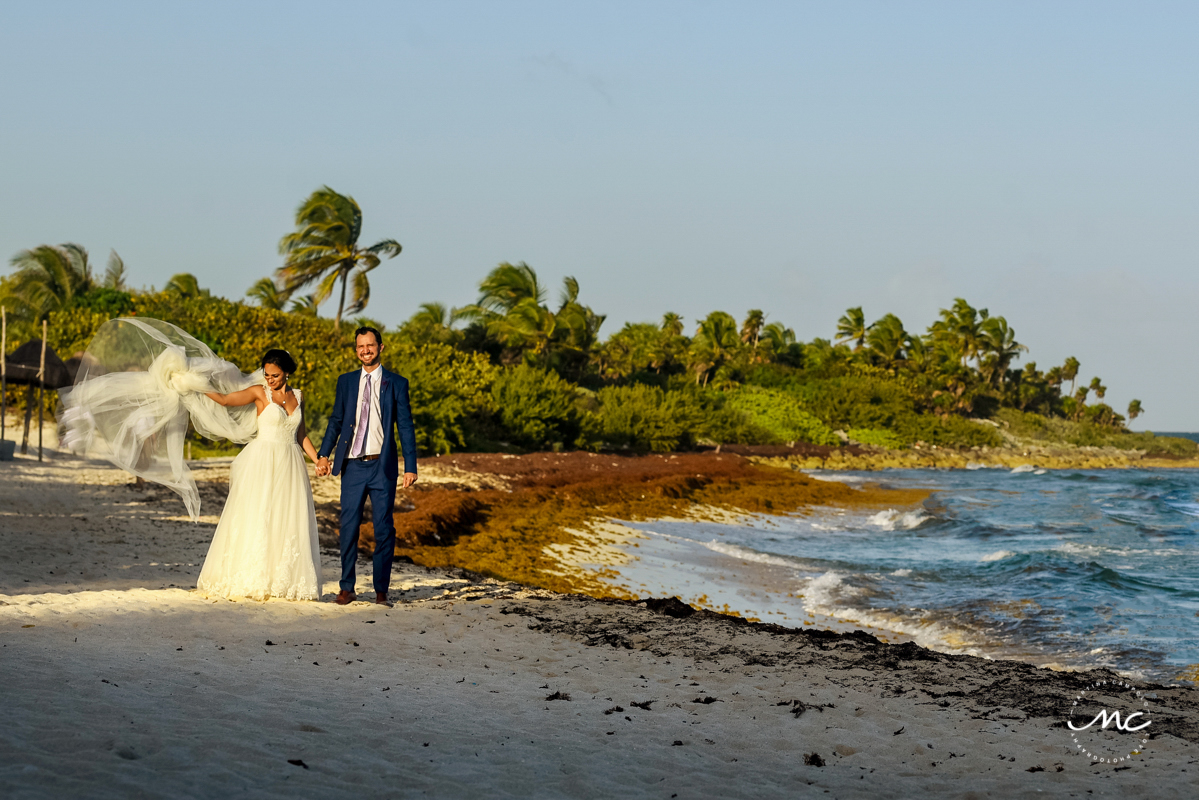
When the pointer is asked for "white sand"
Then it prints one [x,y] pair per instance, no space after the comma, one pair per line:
[117,684]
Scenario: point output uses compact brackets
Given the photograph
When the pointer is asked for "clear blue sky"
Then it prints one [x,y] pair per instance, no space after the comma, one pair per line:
[1039,159]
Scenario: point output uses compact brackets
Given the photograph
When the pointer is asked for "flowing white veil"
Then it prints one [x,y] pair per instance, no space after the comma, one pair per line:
[140,382]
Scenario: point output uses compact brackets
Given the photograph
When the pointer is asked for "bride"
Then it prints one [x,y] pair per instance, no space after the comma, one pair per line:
[140,385]
[266,542]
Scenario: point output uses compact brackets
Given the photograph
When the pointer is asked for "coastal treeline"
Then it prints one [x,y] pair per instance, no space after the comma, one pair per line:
[517,370]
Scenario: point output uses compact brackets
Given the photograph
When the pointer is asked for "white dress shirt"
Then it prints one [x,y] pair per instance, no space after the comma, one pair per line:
[373,444]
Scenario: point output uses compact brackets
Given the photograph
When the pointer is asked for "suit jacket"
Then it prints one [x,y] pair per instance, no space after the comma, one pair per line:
[397,415]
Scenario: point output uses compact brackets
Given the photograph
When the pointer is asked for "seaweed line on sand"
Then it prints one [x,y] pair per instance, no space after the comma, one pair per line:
[560,512]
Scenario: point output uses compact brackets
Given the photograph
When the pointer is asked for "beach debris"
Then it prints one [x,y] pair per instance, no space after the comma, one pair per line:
[269,643]
[901,731]
[644,705]
[1037,768]
[299,762]
[670,606]
[799,706]
[559,695]
[110,683]
[707,701]
[615,710]
[813,760]
[677,743]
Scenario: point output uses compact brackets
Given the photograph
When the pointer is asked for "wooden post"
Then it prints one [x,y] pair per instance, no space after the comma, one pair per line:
[41,393]
[3,368]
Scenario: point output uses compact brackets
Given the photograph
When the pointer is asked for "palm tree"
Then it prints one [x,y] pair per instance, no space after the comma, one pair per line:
[578,324]
[49,278]
[777,336]
[961,327]
[268,294]
[433,322]
[505,287]
[512,306]
[887,338]
[1098,388]
[672,324]
[114,273]
[1135,409]
[324,250]
[751,329]
[186,286]
[852,327]
[716,339]
[1070,371]
[1001,348]
[1080,401]
[306,305]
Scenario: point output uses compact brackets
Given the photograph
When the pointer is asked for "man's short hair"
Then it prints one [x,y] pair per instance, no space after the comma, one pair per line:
[365,329]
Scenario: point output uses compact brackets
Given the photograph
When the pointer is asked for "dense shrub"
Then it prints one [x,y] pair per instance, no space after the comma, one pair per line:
[780,415]
[645,418]
[876,438]
[536,408]
[110,302]
[1051,430]
[944,431]
[447,388]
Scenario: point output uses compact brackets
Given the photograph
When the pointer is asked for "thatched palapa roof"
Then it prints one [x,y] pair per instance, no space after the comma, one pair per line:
[22,366]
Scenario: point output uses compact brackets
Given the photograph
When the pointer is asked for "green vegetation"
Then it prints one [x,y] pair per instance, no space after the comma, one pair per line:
[781,417]
[324,250]
[1057,430]
[513,372]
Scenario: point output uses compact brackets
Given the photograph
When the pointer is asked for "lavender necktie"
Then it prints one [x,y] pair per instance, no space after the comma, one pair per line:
[364,416]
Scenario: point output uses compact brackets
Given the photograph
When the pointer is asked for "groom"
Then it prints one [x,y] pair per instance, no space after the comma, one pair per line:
[369,403]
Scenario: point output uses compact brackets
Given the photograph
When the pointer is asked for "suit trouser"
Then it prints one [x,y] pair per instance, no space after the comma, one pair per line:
[358,479]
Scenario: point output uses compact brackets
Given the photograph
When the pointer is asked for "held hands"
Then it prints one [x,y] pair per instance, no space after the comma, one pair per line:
[323,468]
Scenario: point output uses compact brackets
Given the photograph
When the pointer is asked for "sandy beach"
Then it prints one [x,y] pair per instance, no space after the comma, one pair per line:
[121,681]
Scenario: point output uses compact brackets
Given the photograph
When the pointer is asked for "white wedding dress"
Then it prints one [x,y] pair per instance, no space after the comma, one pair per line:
[266,542]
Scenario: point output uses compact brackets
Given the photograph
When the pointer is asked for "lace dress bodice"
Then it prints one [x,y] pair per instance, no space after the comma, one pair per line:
[275,425]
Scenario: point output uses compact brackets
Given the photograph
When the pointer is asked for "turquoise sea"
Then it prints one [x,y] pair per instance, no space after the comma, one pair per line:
[1069,568]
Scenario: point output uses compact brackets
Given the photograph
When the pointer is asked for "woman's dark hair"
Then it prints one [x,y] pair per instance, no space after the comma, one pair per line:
[281,359]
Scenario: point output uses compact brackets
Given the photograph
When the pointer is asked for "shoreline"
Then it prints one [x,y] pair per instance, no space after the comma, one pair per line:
[473,686]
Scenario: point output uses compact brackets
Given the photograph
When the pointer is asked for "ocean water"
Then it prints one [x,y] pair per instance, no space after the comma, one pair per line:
[1068,568]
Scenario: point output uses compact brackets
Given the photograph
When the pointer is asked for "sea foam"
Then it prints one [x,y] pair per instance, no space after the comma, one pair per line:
[892,520]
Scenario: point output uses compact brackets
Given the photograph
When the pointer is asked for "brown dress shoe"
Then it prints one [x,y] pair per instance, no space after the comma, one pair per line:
[381,599]
[344,598]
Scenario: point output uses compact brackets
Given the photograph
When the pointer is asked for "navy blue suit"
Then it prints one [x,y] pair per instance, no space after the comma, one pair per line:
[376,478]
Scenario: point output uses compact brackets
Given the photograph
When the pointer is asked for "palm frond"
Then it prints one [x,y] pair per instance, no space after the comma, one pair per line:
[324,289]
[388,247]
[185,285]
[362,292]
[570,291]
[307,305]
[268,294]
[114,274]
